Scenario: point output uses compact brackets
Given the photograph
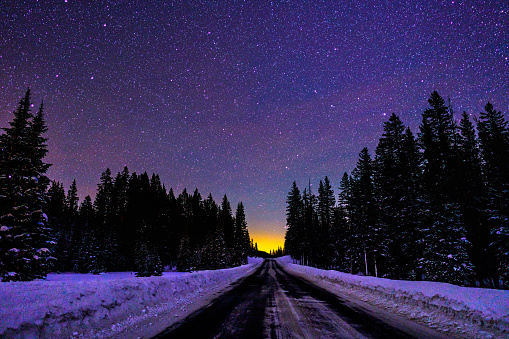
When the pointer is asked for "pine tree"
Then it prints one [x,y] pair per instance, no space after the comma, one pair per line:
[198,228]
[471,197]
[104,199]
[390,188]
[38,148]
[119,219]
[494,145]
[308,235]
[120,191]
[437,136]
[55,208]
[326,203]
[345,245]
[72,200]
[227,224]
[156,217]
[24,242]
[338,244]
[175,226]
[411,206]
[442,236]
[294,219]
[72,219]
[363,214]
[131,223]
[241,236]
[211,213]
[105,249]
[85,256]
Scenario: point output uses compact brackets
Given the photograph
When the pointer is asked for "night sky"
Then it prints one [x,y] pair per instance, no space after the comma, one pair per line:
[242,97]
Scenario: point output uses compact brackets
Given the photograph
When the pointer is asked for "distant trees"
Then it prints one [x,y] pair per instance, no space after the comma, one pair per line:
[133,223]
[432,207]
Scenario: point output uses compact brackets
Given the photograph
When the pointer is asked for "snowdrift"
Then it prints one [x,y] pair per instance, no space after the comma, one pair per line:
[84,305]
[463,311]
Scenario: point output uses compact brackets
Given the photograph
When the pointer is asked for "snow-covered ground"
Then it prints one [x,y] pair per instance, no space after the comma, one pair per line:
[108,305]
[119,305]
[462,311]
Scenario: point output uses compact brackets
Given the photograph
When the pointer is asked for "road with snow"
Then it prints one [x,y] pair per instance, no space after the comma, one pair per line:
[271,303]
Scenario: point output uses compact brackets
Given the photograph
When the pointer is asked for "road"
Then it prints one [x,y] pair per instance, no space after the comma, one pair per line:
[271,303]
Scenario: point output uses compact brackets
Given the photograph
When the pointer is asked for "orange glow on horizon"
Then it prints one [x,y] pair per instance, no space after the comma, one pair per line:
[268,241]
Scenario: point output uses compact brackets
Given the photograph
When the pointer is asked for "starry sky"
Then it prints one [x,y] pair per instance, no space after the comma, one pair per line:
[242,97]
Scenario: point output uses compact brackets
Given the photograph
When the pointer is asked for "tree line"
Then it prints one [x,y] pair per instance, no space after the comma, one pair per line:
[429,207]
[133,224]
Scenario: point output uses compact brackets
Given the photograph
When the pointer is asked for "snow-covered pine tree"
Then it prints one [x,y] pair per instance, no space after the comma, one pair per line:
[494,144]
[410,203]
[471,197]
[24,236]
[442,236]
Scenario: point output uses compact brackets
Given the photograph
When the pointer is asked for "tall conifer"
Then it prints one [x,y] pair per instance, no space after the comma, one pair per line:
[494,144]
[24,242]
[363,213]
[442,237]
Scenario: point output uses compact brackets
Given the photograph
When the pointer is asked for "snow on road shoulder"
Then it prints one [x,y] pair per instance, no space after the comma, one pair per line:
[463,311]
[84,305]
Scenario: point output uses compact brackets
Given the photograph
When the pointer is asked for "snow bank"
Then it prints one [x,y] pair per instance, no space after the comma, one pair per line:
[84,305]
[464,311]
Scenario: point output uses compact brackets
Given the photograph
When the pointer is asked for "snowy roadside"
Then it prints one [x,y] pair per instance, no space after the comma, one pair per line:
[112,304]
[461,311]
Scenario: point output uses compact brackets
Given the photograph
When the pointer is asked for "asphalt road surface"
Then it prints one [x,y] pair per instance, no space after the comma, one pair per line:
[271,303]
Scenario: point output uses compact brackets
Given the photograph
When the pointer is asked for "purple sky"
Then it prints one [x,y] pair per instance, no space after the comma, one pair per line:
[242,97]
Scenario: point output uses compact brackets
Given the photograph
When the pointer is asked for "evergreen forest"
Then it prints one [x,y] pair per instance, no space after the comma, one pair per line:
[431,206]
[133,224]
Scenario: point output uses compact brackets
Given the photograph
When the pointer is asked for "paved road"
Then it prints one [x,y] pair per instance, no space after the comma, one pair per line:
[271,303]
